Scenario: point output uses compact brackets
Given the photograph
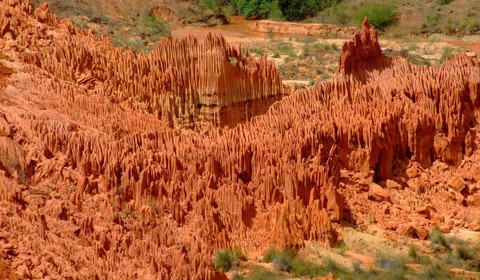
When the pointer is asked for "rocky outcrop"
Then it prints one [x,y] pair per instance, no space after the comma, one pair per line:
[302,29]
[110,190]
[185,83]
[362,53]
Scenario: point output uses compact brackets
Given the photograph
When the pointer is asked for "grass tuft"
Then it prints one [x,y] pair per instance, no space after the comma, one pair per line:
[437,238]
[436,271]
[225,260]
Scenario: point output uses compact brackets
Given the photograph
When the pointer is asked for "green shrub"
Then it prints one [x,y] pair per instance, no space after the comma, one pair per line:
[286,48]
[416,256]
[263,274]
[280,9]
[335,268]
[379,15]
[214,5]
[270,33]
[253,8]
[269,255]
[306,51]
[436,271]
[452,259]
[465,253]
[412,252]
[437,238]
[300,9]
[275,12]
[225,260]
[390,262]
[238,253]
[340,17]
[357,268]
[470,25]
[447,52]
[304,268]
[257,50]
[283,260]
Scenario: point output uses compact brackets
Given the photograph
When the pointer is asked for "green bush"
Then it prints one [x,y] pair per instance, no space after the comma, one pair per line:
[275,11]
[282,260]
[339,16]
[300,9]
[253,8]
[225,260]
[279,9]
[269,255]
[465,253]
[304,268]
[379,15]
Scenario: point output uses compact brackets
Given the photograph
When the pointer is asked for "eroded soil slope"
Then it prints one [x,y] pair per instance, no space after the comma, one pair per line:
[98,180]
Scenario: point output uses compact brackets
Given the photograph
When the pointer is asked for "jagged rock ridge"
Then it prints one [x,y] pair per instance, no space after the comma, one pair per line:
[108,190]
[186,83]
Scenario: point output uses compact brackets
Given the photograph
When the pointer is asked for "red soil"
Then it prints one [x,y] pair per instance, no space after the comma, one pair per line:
[468,46]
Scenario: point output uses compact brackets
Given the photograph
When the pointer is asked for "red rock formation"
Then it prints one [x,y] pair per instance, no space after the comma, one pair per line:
[362,53]
[101,187]
[302,29]
[186,83]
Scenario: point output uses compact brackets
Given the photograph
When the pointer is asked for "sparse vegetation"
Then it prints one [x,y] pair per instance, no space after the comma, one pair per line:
[283,260]
[444,2]
[270,33]
[412,252]
[262,274]
[390,262]
[415,255]
[286,49]
[257,50]
[465,253]
[278,9]
[379,15]
[438,239]
[447,53]
[436,271]
[225,260]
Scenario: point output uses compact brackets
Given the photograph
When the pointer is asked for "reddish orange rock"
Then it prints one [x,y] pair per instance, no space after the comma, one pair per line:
[98,179]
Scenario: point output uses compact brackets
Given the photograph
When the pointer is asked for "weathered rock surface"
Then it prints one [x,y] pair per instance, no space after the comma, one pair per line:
[302,29]
[99,184]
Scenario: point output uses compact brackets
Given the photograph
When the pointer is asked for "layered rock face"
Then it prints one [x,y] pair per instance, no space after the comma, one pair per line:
[96,183]
[302,29]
